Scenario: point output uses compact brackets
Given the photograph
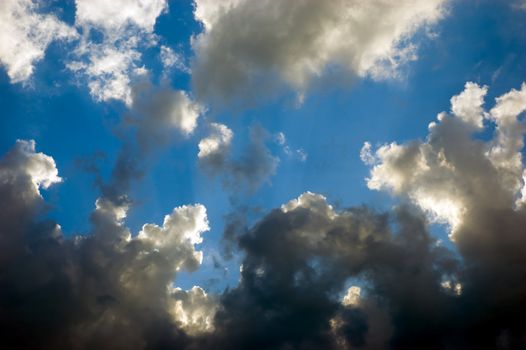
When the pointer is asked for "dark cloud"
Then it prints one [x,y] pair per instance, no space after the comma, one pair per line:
[299,260]
[109,290]
[103,290]
[312,277]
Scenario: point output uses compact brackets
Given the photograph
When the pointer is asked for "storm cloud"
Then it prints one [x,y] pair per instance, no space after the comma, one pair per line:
[312,274]
[107,289]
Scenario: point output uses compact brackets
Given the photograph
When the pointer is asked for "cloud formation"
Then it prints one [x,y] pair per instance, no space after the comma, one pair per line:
[312,276]
[109,52]
[109,289]
[451,173]
[303,261]
[251,168]
[245,44]
[299,259]
[158,111]
[25,34]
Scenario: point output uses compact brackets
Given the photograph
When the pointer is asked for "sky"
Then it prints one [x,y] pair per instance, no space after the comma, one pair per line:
[269,174]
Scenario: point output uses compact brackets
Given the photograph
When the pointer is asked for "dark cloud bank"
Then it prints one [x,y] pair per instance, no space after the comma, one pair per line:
[109,290]
[312,277]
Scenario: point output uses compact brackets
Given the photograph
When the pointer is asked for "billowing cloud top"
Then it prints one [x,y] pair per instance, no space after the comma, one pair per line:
[23,163]
[450,174]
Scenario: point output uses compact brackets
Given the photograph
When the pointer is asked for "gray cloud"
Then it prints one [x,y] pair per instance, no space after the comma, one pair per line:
[106,289]
[312,277]
[247,46]
[299,258]
[162,114]
[249,169]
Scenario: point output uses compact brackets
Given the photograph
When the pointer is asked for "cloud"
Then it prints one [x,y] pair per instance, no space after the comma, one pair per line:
[298,259]
[157,111]
[251,168]
[119,14]
[23,161]
[214,148]
[109,55]
[245,44]
[413,294]
[312,277]
[452,173]
[194,310]
[468,104]
[25,35]
[171,59]
[106,289]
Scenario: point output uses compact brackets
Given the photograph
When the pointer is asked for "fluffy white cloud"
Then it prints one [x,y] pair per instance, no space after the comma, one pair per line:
[217,143]
[113,62]
[468,104]
[116,15]
[109,71]
[180,232]
[194,310]
[23,162]
[312,201]
[24,36]
[353,296]
[452,175]
[248,42]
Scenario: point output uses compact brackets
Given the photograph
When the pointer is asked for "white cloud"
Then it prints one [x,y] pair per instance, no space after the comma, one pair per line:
[352,297]
[184,112]
[366,155]
[116,15]
[177,238]
[194,310]
[468,105]
[23,161]
[111,64]
[452,174]
[312,201]
[162,110]
[246,43]
[24,36]
[109,71]
[217,143]
[171,59]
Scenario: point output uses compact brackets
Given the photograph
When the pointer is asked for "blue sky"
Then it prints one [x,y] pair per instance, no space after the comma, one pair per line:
[324,130]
